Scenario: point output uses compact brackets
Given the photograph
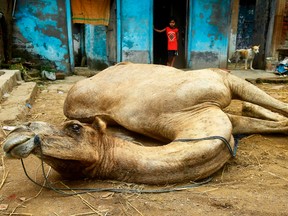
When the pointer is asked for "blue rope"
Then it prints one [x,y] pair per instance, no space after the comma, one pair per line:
[232,151]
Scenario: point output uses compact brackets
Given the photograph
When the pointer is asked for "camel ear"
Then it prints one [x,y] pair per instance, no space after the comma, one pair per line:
[99,124]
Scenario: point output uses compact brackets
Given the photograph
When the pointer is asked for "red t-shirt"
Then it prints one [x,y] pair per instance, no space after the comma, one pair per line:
[172,38]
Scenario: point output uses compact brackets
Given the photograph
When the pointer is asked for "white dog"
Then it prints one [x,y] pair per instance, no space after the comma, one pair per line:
[246,54]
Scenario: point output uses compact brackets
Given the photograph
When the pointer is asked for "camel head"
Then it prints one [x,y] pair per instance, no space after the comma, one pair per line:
[70,149]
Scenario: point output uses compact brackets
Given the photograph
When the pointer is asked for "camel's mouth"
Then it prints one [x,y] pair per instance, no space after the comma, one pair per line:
[20,146]
[70,169]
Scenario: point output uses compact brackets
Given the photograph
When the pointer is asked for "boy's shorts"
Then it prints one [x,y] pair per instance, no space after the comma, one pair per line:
[172,53]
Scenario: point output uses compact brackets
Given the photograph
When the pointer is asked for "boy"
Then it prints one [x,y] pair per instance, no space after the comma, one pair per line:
[172,36]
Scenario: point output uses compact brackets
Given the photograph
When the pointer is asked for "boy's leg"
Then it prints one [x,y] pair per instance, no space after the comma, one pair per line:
[172,61]
[170,56]
[169,62]
[175,53]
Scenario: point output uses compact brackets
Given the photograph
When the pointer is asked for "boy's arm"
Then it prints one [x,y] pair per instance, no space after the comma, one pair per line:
[158,30]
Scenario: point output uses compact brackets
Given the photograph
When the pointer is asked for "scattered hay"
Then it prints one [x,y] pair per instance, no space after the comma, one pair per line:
[278,176]
[5,173]
[27,200]
[95,210]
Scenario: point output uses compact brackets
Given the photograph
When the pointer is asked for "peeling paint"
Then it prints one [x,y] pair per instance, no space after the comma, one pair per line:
[136,31]
[205,59]
[96,64]
[38,25]
[95,46]
[209,33]
[41,31]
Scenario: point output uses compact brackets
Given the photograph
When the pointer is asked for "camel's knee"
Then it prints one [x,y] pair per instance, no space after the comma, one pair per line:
[255,111]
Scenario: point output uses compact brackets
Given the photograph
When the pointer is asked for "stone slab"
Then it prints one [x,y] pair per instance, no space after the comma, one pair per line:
[18,103]
[8,79]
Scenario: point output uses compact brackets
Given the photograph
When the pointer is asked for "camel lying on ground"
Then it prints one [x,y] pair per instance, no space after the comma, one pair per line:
[181,111]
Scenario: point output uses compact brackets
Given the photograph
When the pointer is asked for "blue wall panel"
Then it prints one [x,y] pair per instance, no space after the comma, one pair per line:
[135,33]
[208,33]
[40,30]
[95,46]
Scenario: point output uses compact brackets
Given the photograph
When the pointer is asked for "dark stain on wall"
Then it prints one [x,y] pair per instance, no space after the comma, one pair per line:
[218,11]
[96,64]
[204,59]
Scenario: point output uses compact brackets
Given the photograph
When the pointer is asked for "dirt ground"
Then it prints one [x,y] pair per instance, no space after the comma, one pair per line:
[253,183]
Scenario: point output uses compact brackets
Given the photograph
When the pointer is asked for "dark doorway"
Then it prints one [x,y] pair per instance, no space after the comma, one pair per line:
[78,32]
[246,20]
[163,10]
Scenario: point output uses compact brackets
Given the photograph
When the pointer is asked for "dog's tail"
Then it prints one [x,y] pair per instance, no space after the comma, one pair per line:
[233,57]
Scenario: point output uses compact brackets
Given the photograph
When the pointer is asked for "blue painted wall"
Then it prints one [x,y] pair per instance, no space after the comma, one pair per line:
[40,32]
[135,38]
[208,32]
[96,47]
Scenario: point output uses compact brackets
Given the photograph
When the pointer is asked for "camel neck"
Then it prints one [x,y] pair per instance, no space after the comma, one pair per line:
[176,161]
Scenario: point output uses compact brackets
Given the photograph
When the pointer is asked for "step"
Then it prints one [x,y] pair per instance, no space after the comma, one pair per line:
[17,103]
[8,79]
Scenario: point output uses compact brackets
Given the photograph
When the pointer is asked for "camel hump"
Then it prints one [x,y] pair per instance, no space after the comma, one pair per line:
[221,70]
[123,63]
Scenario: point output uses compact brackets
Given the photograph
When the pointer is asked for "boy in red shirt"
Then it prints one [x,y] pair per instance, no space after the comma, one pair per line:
[172,37]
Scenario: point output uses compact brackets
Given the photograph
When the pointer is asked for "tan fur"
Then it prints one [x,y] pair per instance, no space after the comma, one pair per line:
[156,101]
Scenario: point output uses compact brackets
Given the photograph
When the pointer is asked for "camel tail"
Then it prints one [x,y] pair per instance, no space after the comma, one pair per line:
[246,91]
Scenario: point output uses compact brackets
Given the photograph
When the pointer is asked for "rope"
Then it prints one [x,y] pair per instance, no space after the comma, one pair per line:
[232,152]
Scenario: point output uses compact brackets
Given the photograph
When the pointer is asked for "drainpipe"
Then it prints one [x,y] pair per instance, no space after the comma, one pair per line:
[119,35]
[189,35]
[70,36]
[14,6]
[151,25]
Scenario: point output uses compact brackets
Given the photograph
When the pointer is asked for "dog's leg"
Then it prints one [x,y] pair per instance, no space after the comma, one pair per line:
[246,62]
[251,63]
[236,59]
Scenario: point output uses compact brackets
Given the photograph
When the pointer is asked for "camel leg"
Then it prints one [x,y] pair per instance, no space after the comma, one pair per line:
[246,91]
[247,125]
[255,111]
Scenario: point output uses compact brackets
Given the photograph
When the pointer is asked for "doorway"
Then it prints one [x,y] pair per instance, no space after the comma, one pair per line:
[246,19]
[163,11]
[242,25]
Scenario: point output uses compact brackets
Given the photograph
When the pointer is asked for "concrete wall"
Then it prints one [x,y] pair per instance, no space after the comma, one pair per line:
[95,47]
[280,31]
[208,34]
[135,31]
[284,32]
[234,26]
[40,32]
[6,27]
[262,16]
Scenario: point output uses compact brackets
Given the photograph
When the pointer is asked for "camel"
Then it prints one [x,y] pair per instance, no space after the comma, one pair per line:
[181,111]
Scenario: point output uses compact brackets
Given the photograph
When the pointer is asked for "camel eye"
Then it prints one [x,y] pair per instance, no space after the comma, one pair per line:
[76,128]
